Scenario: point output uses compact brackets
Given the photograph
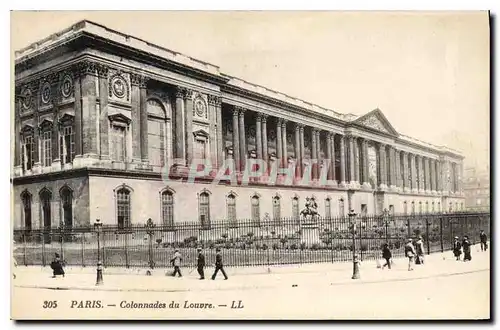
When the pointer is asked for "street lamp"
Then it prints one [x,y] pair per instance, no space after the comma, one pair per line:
[150,232]
[97,227]
[355,261]
[386,223]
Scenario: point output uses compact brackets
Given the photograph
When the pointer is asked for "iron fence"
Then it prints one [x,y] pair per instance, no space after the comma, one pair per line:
[246,242]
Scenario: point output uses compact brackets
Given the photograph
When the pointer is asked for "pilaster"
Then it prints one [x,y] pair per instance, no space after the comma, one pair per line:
[88,77]
[103,72]
[343,182]
[180,138]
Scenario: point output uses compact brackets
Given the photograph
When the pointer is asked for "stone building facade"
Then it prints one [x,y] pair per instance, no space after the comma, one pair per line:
[101,116]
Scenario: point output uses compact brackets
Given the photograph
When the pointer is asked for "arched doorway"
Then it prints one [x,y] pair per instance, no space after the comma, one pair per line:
[46,215]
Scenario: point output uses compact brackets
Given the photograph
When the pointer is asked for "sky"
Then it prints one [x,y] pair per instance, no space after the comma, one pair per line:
[427,72]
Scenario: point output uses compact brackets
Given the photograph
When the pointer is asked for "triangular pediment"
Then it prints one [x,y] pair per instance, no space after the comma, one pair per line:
[376,120]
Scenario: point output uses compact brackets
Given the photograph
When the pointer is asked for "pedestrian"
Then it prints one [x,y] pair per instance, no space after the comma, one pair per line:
[457,248]
[201,264]
[419,247]
[218,265]
[484,240]
[176,262]
[57,266]
[387,255]
[410,253]
[466,246]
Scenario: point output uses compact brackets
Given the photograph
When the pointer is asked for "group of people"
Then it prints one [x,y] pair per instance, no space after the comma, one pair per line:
[177,259]
[464,246]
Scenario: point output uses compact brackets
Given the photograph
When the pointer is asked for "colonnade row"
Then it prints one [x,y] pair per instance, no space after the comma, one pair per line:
[395,169]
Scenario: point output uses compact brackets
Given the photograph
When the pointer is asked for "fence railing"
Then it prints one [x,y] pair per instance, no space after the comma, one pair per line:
[246,242]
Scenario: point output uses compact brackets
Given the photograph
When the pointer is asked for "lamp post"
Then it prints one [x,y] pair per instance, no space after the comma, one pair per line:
[97,227]
[386,224]
[150,231]
[355,261]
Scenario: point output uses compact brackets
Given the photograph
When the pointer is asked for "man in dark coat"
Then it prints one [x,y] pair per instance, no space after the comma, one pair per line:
[484,239]
[219,265]
[201,264]
[466,246]
[457,248]
[387,255]
[57,266]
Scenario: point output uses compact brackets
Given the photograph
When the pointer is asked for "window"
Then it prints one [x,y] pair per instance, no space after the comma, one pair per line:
[276,208]
[328,208]
[167,209]
[26,208]
[27,148]
[200,144]
[67,206]
[204,209]
[231,208]
[158,135]
[405,207]
[439,206]
[123,208]
[433,207]
[462,206]
[427,207]
[255,209]
[413,208]
[45,201]
[391,210]
[118,143]
[67,141]
[364,210]
[46,147]
[295,208]
[341,207]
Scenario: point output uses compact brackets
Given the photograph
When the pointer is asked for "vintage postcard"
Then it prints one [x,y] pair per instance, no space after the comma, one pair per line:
[250,165]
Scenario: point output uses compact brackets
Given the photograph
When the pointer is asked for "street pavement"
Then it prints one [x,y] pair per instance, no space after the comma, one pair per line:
[245,278]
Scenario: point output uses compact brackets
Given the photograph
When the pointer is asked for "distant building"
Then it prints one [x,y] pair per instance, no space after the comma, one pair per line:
[477,188]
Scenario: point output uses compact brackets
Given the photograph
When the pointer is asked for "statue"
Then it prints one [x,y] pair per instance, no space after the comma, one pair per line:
[311,209]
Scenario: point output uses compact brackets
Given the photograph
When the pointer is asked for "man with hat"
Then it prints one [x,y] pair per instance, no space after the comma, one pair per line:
[218,265]
[466,246]
[484,240]
[57,266]
[176,262]
[410,253]
[457,248]
[201,264]
[419,247]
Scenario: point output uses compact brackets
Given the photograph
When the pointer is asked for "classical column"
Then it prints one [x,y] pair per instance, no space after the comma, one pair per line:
[279,143]
[284,144]
[329,155]
[406,174]
[220,127]
[382,166]
[318,153]
[314,154]
[180,138]
[298,158]
[302,149]
[103,71]
[397,168]
[136,117]
[144,118]
[342,160]
[391,168]
[332,162]
[78,117]
[37,166]
[258,134]
[236,140]
[421,178]
[213,128]
[366,170]
[432,175]
[17,132]
[56,158]
[265,150]
[427,175]
[414,187]
[243,142]
[439,184]
[356,159]
[352,178]
[89,113]
[188,103]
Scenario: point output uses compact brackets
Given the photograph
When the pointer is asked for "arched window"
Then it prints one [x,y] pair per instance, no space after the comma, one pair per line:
[204,209]
[123,207]
[276,208]
[231,208]
[420,207]
[159,133]
[118,136]
[66,206]
[45,204]
[26,208]
[328,208]
[405,207]
[167,208]
[427,207]
[451,207]
[439,206]
[433,207]
[341,207]
[255,209]
[295,208]
[413,208]
[27,148]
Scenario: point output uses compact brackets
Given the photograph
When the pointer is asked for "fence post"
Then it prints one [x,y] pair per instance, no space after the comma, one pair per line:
[150,231]
[126,251]
[441,232]
[62,242]
[103,248]
[24,252]
[408,224]
[83,249]
[360,240]
[427,224]
[43,247]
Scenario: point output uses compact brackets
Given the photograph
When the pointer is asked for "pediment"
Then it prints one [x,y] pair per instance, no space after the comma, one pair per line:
[119,117]
[376,120]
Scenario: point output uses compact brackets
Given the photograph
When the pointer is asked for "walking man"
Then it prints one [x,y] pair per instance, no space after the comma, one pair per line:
[201,264]
[457,248]
[419,246]
[410,253]
[466,246]
[176,261]
[218,265]
[484,240]
[387,255]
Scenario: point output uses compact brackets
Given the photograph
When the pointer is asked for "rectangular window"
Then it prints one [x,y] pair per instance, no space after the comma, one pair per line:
[276,209]
[118,143]
[200,149]
[341,208]
[67,145]
[328,208]
[156,142]
[364,210]
[123,209]
[391,210]
[27,157]
[168,209]
[231,209]
[47,148]
[205,211]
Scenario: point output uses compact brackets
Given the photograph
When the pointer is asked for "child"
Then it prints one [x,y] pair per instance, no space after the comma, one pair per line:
[387,255]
